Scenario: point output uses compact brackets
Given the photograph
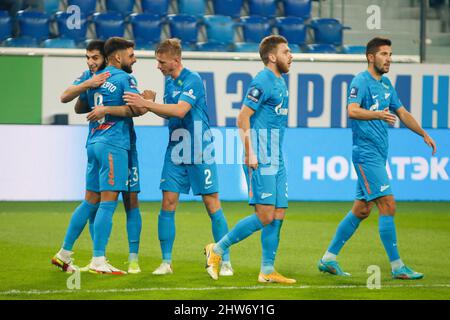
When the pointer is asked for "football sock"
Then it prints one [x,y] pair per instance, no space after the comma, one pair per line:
[344,231]
[134,226]
[244,228]
[76,225]
[386,228]
[219,229]
[270,238]
[91,223]
[103,226]
[133,257]
[166,234]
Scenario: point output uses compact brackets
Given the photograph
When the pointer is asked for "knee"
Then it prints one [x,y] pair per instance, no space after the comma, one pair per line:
[130,201]
[362,213]
[169,204]
[212,204]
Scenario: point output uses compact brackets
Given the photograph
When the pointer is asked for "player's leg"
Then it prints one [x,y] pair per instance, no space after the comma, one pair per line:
[113,180]
[134,227]
[386,226]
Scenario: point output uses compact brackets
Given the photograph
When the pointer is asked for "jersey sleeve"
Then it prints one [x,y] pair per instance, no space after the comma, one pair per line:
[255,95]
[82,78]
[356,92]
[191,91]
[129,84]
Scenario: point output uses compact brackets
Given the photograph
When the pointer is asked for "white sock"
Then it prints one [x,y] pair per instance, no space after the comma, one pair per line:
[98,260]
[396,264]
[328,256]
[133,257]
[65,253]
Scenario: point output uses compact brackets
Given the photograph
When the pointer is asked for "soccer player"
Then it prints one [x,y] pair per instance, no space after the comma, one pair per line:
[262,122]
[370,102]
[185,107]
[107,136]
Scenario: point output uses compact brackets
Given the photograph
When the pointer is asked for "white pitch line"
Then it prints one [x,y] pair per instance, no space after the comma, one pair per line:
[128,290]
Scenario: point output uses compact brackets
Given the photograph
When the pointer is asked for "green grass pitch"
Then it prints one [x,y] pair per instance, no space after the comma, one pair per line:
[32,232]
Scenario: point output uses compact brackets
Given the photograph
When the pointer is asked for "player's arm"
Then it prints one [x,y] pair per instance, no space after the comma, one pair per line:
[408,120]
[243,123]
[178,110]
[356,112]
[74,91]
[118,111]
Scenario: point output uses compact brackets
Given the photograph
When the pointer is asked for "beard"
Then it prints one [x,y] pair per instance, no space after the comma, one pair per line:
[127,68]
[379,70]
[282,67]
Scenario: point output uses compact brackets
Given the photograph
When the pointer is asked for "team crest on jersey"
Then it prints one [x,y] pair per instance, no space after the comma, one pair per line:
[254,94]
[353,92]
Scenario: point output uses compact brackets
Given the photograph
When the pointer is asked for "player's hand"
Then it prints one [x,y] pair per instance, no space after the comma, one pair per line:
[430,142]
[96,114]
[149,95]
[97,80]
[251,161]
[388,117]
[134,100]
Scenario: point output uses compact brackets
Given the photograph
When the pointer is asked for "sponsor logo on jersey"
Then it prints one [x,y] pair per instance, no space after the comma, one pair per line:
[190,94]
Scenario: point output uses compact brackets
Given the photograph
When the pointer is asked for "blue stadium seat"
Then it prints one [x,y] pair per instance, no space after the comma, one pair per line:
[87,7]
[108,24]
[354,49]
[255,28]
[219,28]
[22,42]
[246,47]
[51,6]
[295,48]
[292,28]
[328,31]
[320,48]
[77,34]
[265,8]
[5,25]
[159,7]
[230,8]
[213,46]
[146,29]
[297,8]
[183,27]
[124,7]
[192,7]
[33,24]
[59,43]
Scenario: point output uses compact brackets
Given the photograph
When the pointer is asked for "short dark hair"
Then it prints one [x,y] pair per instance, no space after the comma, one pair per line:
[268,44]
[96,45]
[171,46]
[114,44]
[374,45]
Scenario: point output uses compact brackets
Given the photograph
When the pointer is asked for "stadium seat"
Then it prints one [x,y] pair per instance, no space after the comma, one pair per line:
[320,48]
[295,48]
[124,7]
[77,34]
[22,42]
[183,27]
[5,25]
[50,6]
[354,49]
[146,29]
[246,47]
[327,31]
[292,28]
[159,7]
[219,28]
[108,24]
[265,8]
[255,28]
[192,7]
[212,46]
[230,8]
[59,43]
[87,7]
[33,24]
[297,8]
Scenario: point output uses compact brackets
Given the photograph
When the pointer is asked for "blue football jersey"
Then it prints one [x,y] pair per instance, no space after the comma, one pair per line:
[116,131]
[268,95]
[188,87]
[370,137]
[84,76]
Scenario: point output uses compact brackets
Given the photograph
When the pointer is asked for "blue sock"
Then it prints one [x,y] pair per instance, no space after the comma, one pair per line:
[103,226]
[344,231]
[91,223]
[244,228]
[76,225]
[386,227]
[270,238]
[166,233]
[219,229]
[134,226]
